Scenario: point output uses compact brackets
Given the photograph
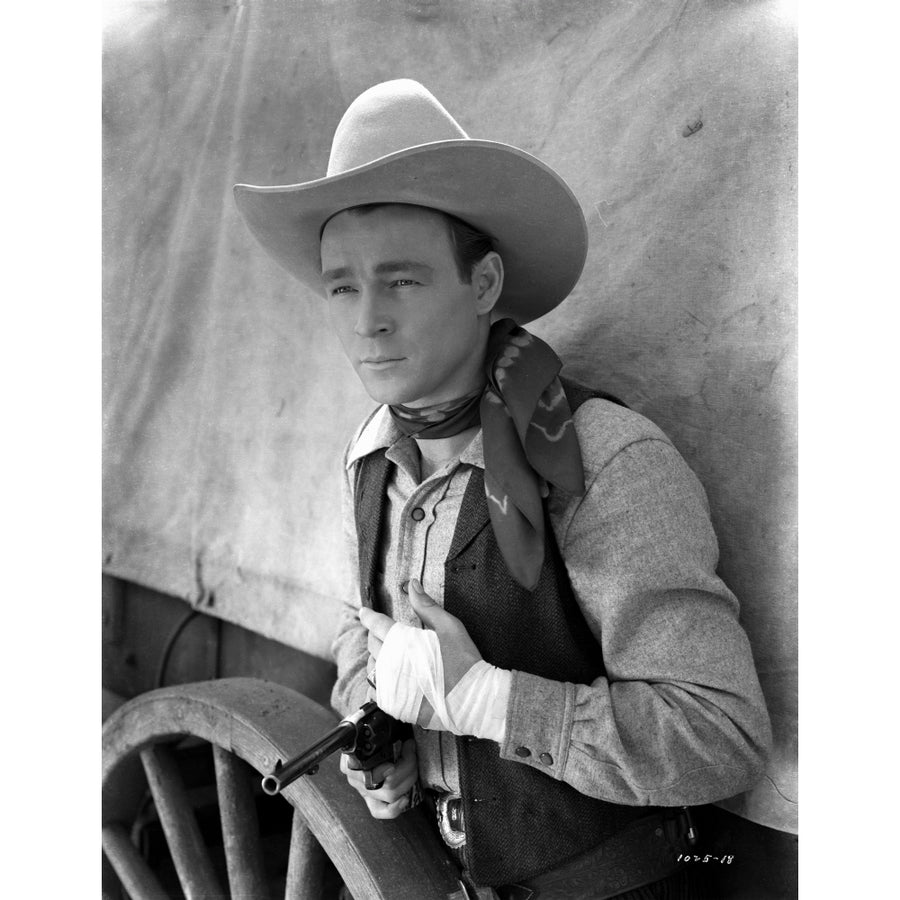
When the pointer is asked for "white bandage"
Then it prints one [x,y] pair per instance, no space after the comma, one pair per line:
[478,702]
[409,669]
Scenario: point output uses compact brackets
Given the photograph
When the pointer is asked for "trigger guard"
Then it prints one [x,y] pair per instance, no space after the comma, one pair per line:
[372,785]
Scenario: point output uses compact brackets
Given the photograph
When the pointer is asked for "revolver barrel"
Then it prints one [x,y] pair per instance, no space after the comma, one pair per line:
[341,737]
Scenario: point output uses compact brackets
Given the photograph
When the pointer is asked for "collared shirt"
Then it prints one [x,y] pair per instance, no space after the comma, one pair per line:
[679,717]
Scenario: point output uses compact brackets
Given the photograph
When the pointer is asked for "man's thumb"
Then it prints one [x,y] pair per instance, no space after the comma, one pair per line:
[424,605]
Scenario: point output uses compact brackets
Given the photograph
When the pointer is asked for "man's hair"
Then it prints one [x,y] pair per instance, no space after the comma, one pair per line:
[470,245]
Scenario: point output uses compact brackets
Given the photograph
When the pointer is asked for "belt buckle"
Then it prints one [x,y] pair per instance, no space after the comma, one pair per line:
[449,815]
[679,829]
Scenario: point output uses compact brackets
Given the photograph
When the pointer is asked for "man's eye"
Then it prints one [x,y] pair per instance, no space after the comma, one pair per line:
[341,289]
[403,282]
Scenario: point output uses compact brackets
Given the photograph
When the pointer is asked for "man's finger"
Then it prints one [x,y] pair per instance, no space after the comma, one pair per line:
[379,773]
[381,810]
[377,623]
[432,614]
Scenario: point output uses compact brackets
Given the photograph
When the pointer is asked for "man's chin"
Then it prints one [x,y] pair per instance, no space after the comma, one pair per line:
[388,394]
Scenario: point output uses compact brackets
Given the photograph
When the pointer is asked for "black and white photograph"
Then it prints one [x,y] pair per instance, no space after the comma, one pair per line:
[450,450]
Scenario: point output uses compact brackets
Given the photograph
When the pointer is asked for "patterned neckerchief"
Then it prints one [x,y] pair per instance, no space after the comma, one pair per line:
[528,434]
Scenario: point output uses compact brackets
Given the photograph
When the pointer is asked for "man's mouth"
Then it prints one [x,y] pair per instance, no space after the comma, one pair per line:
[380,362]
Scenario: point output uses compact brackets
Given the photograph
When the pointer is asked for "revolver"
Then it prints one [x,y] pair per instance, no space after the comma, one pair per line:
[369,737]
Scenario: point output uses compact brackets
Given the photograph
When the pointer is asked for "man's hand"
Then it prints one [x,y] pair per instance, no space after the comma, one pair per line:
[458,651]
[392,798]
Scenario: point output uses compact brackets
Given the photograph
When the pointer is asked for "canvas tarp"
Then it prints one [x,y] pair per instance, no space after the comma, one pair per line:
[227,402]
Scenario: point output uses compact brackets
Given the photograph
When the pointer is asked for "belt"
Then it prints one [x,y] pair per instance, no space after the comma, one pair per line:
[642,853]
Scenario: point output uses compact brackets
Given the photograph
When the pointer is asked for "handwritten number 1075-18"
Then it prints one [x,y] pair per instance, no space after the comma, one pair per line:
[688,857]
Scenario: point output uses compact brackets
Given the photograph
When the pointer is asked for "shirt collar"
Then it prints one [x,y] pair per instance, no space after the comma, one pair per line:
[380,433]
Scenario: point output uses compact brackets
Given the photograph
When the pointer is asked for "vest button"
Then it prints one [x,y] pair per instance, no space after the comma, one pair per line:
[522,751]
[418,513]
[546,759]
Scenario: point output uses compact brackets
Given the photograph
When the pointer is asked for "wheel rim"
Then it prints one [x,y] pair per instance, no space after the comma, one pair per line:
[260,723]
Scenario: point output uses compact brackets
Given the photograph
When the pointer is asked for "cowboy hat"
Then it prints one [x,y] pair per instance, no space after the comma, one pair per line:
[397,144]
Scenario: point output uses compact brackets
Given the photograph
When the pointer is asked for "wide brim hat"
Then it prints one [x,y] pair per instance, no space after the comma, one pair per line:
[397,144]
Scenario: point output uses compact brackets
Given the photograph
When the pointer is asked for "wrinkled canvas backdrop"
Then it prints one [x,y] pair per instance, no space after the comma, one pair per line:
[228,403]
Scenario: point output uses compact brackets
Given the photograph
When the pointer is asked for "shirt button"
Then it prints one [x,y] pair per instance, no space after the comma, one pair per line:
[418,513]
[546,759]
[405,587]
[522,751]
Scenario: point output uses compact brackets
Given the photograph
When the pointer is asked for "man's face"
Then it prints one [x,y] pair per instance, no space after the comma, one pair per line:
[413,331]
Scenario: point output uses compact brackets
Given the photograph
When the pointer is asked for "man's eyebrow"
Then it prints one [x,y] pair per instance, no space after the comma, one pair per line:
[334,274]
[383,268]
[402,265]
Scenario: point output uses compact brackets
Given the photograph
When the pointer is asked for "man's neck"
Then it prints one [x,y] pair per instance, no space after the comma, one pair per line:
[433,454]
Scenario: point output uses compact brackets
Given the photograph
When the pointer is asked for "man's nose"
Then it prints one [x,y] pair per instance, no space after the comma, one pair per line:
[372,315]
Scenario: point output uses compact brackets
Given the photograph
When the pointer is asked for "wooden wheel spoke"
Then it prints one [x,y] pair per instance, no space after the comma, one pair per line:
[136,876]
[306,863]
[240,828]
[259,723]
[192,862]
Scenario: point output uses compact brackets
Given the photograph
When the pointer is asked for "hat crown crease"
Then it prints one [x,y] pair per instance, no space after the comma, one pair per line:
[389,118]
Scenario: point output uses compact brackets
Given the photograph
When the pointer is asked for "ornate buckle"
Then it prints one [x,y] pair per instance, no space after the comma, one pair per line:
[450,820]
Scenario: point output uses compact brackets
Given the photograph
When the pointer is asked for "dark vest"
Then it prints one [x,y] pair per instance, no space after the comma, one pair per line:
[519,821]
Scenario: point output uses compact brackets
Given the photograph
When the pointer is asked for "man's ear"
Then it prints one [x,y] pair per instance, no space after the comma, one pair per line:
[487,277]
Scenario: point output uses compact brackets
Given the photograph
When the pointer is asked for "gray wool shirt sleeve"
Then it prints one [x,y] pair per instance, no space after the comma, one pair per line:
[680,717]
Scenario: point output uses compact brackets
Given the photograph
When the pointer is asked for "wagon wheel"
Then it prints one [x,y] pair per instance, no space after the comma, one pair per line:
[250,725]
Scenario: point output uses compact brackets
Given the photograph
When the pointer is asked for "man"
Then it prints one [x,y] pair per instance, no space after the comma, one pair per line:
[536,585]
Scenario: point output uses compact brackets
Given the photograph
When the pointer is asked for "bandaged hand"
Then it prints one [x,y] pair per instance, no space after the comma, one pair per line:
[436,678]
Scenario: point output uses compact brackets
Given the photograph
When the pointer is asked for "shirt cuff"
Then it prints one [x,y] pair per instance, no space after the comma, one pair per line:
[539,721]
